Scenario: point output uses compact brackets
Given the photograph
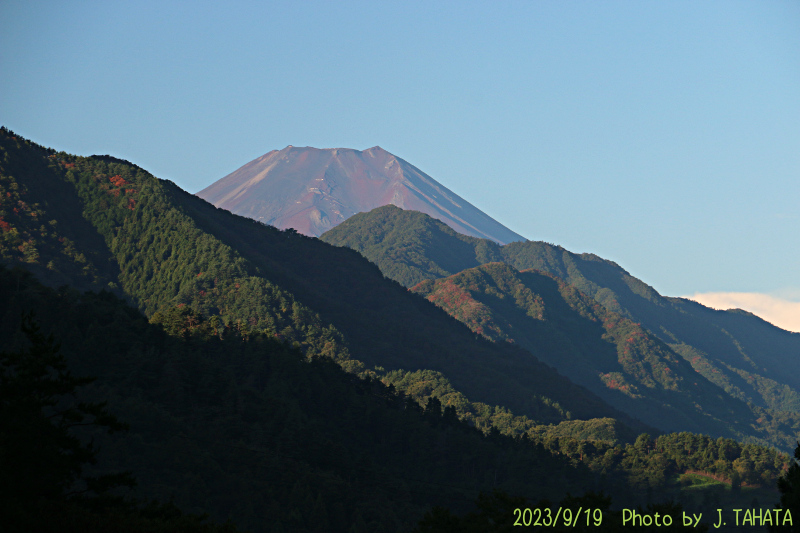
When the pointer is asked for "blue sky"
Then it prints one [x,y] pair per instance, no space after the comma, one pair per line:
[662,135]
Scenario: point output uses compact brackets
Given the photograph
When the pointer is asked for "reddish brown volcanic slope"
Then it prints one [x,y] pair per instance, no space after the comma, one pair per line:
[313,190]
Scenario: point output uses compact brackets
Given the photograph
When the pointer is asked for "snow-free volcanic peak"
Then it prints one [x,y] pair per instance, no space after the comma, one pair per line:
[313,190]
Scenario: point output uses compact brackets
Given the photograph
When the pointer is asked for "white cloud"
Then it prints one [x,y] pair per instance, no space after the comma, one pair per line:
[778,311]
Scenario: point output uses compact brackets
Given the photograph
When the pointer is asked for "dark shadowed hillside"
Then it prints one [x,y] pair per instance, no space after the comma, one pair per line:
[285,383]
[251,429]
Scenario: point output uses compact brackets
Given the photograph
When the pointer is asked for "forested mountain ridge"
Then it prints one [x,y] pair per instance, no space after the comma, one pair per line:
[609,354]
[748,358]
[234,404]
[161,247]
[251,430]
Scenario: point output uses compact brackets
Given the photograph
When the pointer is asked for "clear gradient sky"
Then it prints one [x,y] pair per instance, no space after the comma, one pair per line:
[664,136]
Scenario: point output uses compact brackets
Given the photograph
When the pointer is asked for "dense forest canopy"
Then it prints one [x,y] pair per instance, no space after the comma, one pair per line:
[286,384]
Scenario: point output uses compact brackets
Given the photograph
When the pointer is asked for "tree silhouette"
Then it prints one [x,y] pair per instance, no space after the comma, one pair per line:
[42,458]
[789,486]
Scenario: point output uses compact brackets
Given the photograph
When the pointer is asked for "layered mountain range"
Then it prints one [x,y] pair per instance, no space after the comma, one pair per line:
[312,190]
[745,358]
[266,323]
[266,373]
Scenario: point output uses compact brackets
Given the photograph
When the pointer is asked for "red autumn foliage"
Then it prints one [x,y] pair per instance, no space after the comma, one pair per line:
[131,203]
[5,225]
[616,385]
[118,180]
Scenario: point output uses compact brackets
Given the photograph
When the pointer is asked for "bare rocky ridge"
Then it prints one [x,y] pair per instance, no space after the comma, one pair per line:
[313,190]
